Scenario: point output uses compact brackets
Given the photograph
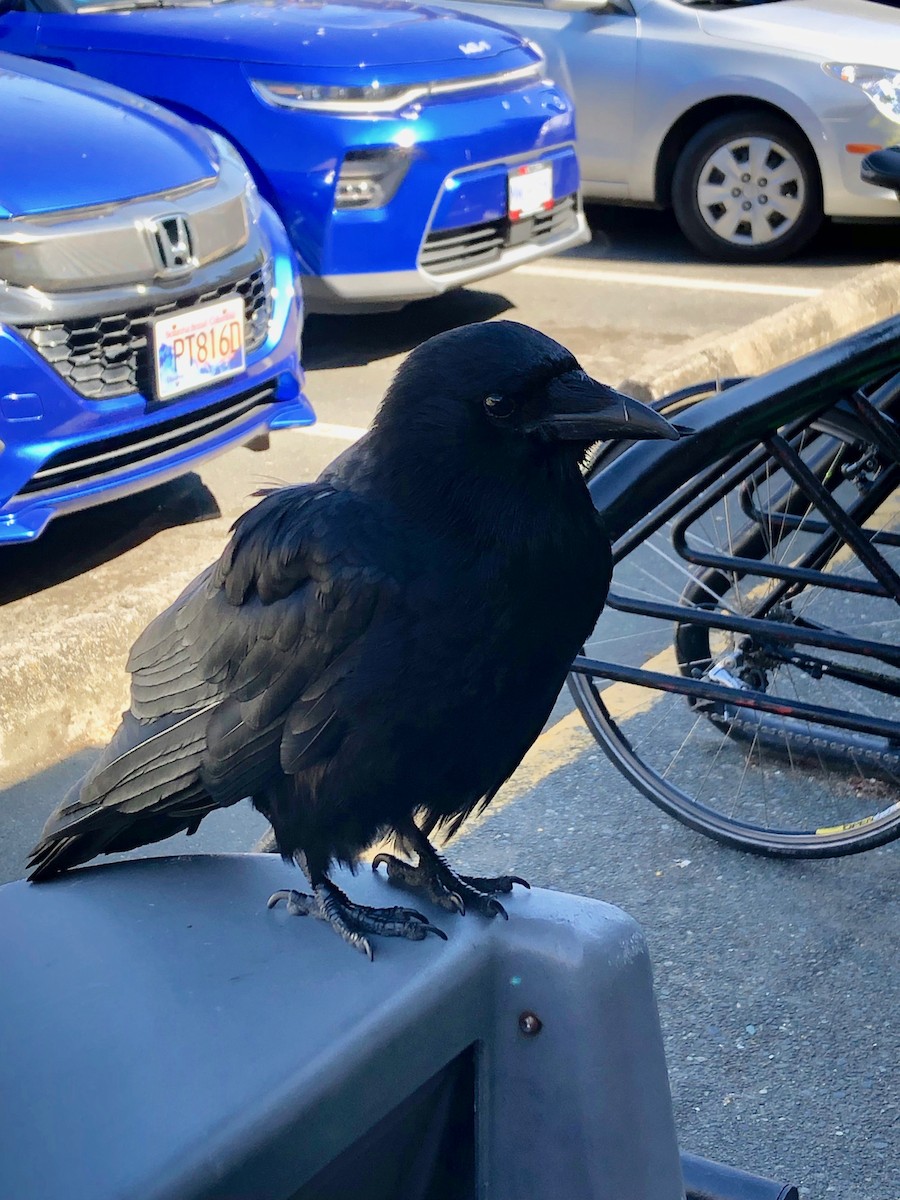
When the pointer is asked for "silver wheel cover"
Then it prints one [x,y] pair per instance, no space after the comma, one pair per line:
[751,191]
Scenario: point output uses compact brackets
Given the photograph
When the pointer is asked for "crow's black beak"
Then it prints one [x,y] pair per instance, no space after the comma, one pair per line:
[583,410]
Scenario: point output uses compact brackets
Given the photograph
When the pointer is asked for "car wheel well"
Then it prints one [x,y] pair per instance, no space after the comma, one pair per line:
[693,120]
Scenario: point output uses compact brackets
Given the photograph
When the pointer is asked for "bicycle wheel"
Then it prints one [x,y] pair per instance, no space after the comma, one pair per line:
[748,680]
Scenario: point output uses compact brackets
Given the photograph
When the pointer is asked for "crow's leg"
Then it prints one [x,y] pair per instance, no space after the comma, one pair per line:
[434,876]
[352,921]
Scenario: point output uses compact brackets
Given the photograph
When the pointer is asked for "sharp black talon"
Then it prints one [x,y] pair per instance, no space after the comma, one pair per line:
[433,876]
[354,921]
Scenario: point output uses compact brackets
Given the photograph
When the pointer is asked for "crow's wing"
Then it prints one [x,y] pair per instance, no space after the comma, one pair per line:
[255,598]
[268,634]
[240,676]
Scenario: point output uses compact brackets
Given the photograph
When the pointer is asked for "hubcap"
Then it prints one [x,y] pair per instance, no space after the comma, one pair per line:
[751,191]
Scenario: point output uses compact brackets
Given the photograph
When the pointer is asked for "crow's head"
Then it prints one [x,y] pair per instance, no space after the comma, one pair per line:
[499,383]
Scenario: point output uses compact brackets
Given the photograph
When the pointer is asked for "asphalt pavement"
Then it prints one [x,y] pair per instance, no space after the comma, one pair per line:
[777,981]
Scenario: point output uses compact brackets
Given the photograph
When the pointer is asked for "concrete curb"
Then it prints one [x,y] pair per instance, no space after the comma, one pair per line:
[871,296]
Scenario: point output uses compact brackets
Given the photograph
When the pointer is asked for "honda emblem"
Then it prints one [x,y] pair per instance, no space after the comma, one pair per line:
[172,238]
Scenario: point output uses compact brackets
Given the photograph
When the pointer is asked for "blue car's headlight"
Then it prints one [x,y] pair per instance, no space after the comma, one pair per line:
[880,84]
[367,98]
[374,98]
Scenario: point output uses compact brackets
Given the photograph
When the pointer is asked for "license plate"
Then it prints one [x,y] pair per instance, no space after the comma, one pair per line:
[530,190]
[198,346]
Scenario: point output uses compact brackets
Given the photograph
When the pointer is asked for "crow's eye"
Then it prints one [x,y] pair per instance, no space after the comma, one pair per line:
[499,406]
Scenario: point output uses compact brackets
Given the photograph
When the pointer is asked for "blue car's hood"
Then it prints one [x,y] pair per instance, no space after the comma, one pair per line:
[70,142]
[420,41]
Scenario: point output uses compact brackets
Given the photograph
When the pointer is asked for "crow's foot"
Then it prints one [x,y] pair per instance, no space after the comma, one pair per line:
[353,921]
[436,879]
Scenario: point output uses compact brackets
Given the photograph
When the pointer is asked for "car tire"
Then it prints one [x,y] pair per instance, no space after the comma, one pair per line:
[747,188]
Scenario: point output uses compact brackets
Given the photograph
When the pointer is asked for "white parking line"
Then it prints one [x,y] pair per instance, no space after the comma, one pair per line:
[338,433]
[684,282]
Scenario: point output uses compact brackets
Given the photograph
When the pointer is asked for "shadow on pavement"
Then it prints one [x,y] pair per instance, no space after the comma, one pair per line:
[74,544]
[622,234]
[330,342]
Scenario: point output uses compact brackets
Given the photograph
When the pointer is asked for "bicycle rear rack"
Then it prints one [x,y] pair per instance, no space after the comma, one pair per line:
[650,485]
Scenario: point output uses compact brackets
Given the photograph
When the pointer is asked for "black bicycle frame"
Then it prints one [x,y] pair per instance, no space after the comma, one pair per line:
[648,484]
[641,478]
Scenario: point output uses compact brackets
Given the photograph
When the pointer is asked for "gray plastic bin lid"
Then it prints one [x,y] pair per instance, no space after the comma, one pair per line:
[165,1035]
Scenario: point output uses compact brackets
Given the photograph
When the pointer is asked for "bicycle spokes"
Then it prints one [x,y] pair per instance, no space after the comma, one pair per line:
[746,672]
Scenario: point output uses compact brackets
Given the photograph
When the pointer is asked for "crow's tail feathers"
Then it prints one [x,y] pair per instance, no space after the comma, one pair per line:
[145,786]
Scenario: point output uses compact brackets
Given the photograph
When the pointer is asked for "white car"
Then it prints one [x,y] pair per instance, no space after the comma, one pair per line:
[749,117]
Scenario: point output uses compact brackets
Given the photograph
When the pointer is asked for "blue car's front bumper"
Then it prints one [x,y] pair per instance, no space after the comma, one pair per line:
[60,451]
[448,223]
[466,237]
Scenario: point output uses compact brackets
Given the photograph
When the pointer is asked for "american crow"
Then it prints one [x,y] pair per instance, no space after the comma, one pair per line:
[374,652]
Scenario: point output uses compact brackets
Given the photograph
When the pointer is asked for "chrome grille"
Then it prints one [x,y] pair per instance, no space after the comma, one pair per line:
[461,249]
[103,357]
[105,456]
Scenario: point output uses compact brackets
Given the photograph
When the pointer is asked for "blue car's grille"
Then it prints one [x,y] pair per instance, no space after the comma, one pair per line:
[103,357]
[452,250]
[94,460]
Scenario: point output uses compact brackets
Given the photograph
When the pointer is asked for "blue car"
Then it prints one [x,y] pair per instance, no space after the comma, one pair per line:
[149,307]
[407,149]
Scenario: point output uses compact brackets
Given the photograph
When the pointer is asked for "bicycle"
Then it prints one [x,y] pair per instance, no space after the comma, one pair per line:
[745,674]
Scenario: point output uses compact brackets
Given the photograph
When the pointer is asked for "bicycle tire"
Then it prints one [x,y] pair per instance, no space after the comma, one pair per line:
[860,769]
